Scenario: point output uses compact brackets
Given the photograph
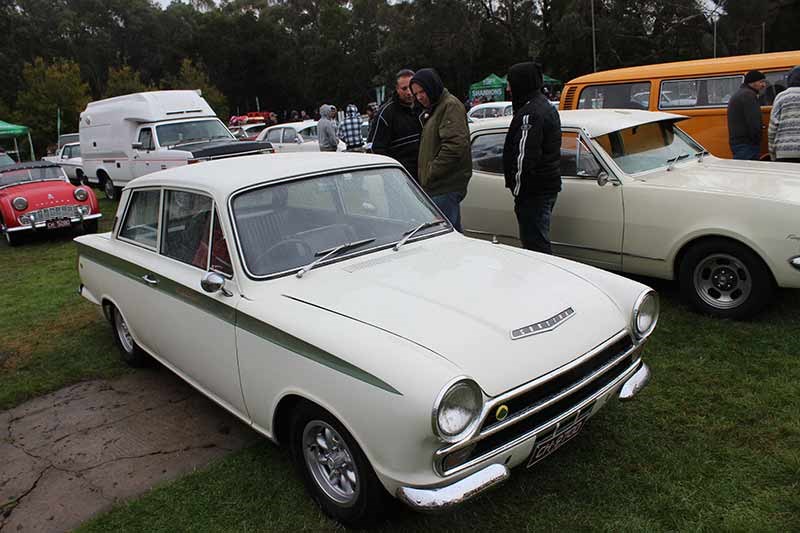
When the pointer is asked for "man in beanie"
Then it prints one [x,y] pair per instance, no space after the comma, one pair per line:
[445,160]
[784,122]
[532,156]
[744,117]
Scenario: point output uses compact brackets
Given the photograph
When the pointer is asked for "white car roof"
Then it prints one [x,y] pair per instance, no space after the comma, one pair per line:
[295,125]
[595,122]
[224,176]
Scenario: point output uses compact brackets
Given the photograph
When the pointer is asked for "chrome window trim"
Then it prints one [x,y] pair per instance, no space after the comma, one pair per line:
[268,183]
[437,463]
[164,190]
[131,192]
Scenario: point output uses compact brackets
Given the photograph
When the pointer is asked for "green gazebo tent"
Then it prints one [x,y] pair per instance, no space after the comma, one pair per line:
[12,131]
[492,87]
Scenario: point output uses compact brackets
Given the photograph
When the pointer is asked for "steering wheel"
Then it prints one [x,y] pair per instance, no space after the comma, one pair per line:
[298,245]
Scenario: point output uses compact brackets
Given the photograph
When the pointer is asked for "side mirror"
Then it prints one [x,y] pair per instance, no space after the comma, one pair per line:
[602,178]
[137,146]
[212,282]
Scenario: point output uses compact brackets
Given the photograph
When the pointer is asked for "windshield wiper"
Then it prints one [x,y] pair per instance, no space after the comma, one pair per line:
[322,255]
[410,233]
[699,155]
[671,162]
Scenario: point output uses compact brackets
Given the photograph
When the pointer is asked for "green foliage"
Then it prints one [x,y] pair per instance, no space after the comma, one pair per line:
[194,76]
[124,80]
[48,87]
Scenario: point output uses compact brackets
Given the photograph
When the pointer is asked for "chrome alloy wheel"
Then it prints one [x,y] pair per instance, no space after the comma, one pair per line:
[123,333]
[331,463]
[722,281]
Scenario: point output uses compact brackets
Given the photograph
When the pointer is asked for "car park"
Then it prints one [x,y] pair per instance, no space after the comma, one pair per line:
[294,137]
[69,158]
[640,196]
[37,196]
[324,300]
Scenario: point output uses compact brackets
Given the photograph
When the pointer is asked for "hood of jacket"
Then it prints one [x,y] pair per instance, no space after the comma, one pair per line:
[352,111]
[794,77]
[325,111]
[525,81]
[429,80]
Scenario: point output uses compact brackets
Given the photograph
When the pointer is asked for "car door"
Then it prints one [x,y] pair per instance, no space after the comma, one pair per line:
[274,137]
[290,140]
[144,157]
[192,329]
[588,218]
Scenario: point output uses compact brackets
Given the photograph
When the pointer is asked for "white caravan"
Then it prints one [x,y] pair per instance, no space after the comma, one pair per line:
[129,136]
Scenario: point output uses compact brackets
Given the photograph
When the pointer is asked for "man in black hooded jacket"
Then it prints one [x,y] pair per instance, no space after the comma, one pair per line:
[532,156]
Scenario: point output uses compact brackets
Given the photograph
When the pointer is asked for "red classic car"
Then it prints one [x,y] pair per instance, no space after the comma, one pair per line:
[38,196]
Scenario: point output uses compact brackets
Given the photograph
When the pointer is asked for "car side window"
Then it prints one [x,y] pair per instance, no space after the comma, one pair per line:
[576,159]
[146,139]
[274,136]
[67,153]
[289,135]
[309,133]
[187,226]
[142,217]
[478,113]
[487,152]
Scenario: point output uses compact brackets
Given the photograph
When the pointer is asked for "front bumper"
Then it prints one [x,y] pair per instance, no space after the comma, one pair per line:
[441,498]
[42,225]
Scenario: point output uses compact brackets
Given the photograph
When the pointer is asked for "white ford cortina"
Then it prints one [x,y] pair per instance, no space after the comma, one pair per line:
[640,196]
[324,300]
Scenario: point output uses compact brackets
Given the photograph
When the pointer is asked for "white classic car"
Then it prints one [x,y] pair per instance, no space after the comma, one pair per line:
[294,137]
[69,158]
[324,300]
[640,196]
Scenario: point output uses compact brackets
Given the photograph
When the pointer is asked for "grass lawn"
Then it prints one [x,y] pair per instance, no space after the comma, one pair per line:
[712,444]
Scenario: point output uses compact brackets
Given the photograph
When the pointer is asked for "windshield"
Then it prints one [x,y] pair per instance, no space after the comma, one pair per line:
[648,146]
[23,175]
[191,131]
[286,226]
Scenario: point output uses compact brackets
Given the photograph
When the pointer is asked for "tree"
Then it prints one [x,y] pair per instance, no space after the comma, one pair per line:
[124,80]
[191,76]
[46,89]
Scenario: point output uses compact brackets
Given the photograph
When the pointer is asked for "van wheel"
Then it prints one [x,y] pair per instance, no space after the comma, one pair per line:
[725,279]
[112,192]
[334,469]
[132,354]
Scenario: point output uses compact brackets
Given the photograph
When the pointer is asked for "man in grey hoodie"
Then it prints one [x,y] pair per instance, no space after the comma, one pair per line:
[784,122]
[326,130]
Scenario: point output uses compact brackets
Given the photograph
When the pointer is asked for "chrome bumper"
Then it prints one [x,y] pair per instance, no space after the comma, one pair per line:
[635,383]
[40,225]
[443,498]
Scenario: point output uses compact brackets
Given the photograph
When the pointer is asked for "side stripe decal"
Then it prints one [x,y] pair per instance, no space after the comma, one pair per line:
[521,155]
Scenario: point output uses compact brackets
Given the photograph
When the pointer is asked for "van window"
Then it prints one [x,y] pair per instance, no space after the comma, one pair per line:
[141,220]
[776,84]
[616,96]
[699,92]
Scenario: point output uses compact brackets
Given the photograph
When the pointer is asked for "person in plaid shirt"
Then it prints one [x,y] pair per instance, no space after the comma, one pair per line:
[350,129]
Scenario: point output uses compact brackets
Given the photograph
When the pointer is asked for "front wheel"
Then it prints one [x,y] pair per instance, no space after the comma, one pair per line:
[132,354]
[112,192]
[334,469]
[725,279]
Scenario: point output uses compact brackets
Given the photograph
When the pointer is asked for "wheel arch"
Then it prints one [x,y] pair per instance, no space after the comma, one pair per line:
[699,239]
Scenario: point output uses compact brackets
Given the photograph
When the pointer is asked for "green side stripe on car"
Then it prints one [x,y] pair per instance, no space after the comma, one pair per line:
[231,316]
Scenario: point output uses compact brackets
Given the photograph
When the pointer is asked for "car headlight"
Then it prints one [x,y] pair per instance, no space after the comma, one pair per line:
[20,203]
[645,314]
[457,410]
[80,194]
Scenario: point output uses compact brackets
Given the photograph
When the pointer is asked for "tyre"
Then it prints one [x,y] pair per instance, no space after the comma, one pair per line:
[334,469]
[112,192]
[725,279]
[132,354]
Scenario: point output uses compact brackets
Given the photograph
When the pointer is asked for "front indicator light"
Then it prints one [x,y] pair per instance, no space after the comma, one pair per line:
[84,210]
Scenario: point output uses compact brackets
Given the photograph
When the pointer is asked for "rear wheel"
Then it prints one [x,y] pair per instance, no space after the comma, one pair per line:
[112,192]
[725,279]
[132,354]
[334,469]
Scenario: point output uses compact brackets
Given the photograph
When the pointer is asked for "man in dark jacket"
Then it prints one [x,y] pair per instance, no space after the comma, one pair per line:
[445,160]
[744,117]
[396,127]
[532,156]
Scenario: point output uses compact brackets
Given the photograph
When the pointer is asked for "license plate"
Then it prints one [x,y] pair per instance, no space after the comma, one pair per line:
[58,223]
[548,446]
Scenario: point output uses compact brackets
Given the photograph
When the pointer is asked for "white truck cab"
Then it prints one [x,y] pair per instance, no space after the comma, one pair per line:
[128,136]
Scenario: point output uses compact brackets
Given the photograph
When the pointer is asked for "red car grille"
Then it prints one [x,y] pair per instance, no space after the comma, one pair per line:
[50,213]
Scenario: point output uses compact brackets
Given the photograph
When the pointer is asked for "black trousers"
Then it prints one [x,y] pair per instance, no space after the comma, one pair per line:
[533,215]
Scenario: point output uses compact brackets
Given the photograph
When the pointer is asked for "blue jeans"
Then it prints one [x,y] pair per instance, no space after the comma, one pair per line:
[533,216]
[450,204]
[748,152]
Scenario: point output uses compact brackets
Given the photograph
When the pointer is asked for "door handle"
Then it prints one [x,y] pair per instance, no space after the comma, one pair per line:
[149,279]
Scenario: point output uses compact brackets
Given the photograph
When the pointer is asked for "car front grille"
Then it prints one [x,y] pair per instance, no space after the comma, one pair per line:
[50,213]
[539,410]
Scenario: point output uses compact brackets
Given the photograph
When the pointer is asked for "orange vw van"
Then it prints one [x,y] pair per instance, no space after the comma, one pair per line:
[699,89]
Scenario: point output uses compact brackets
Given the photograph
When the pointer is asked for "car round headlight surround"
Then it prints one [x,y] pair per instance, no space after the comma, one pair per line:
[645,314]
[20,203]
[457,409]
[80,194]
